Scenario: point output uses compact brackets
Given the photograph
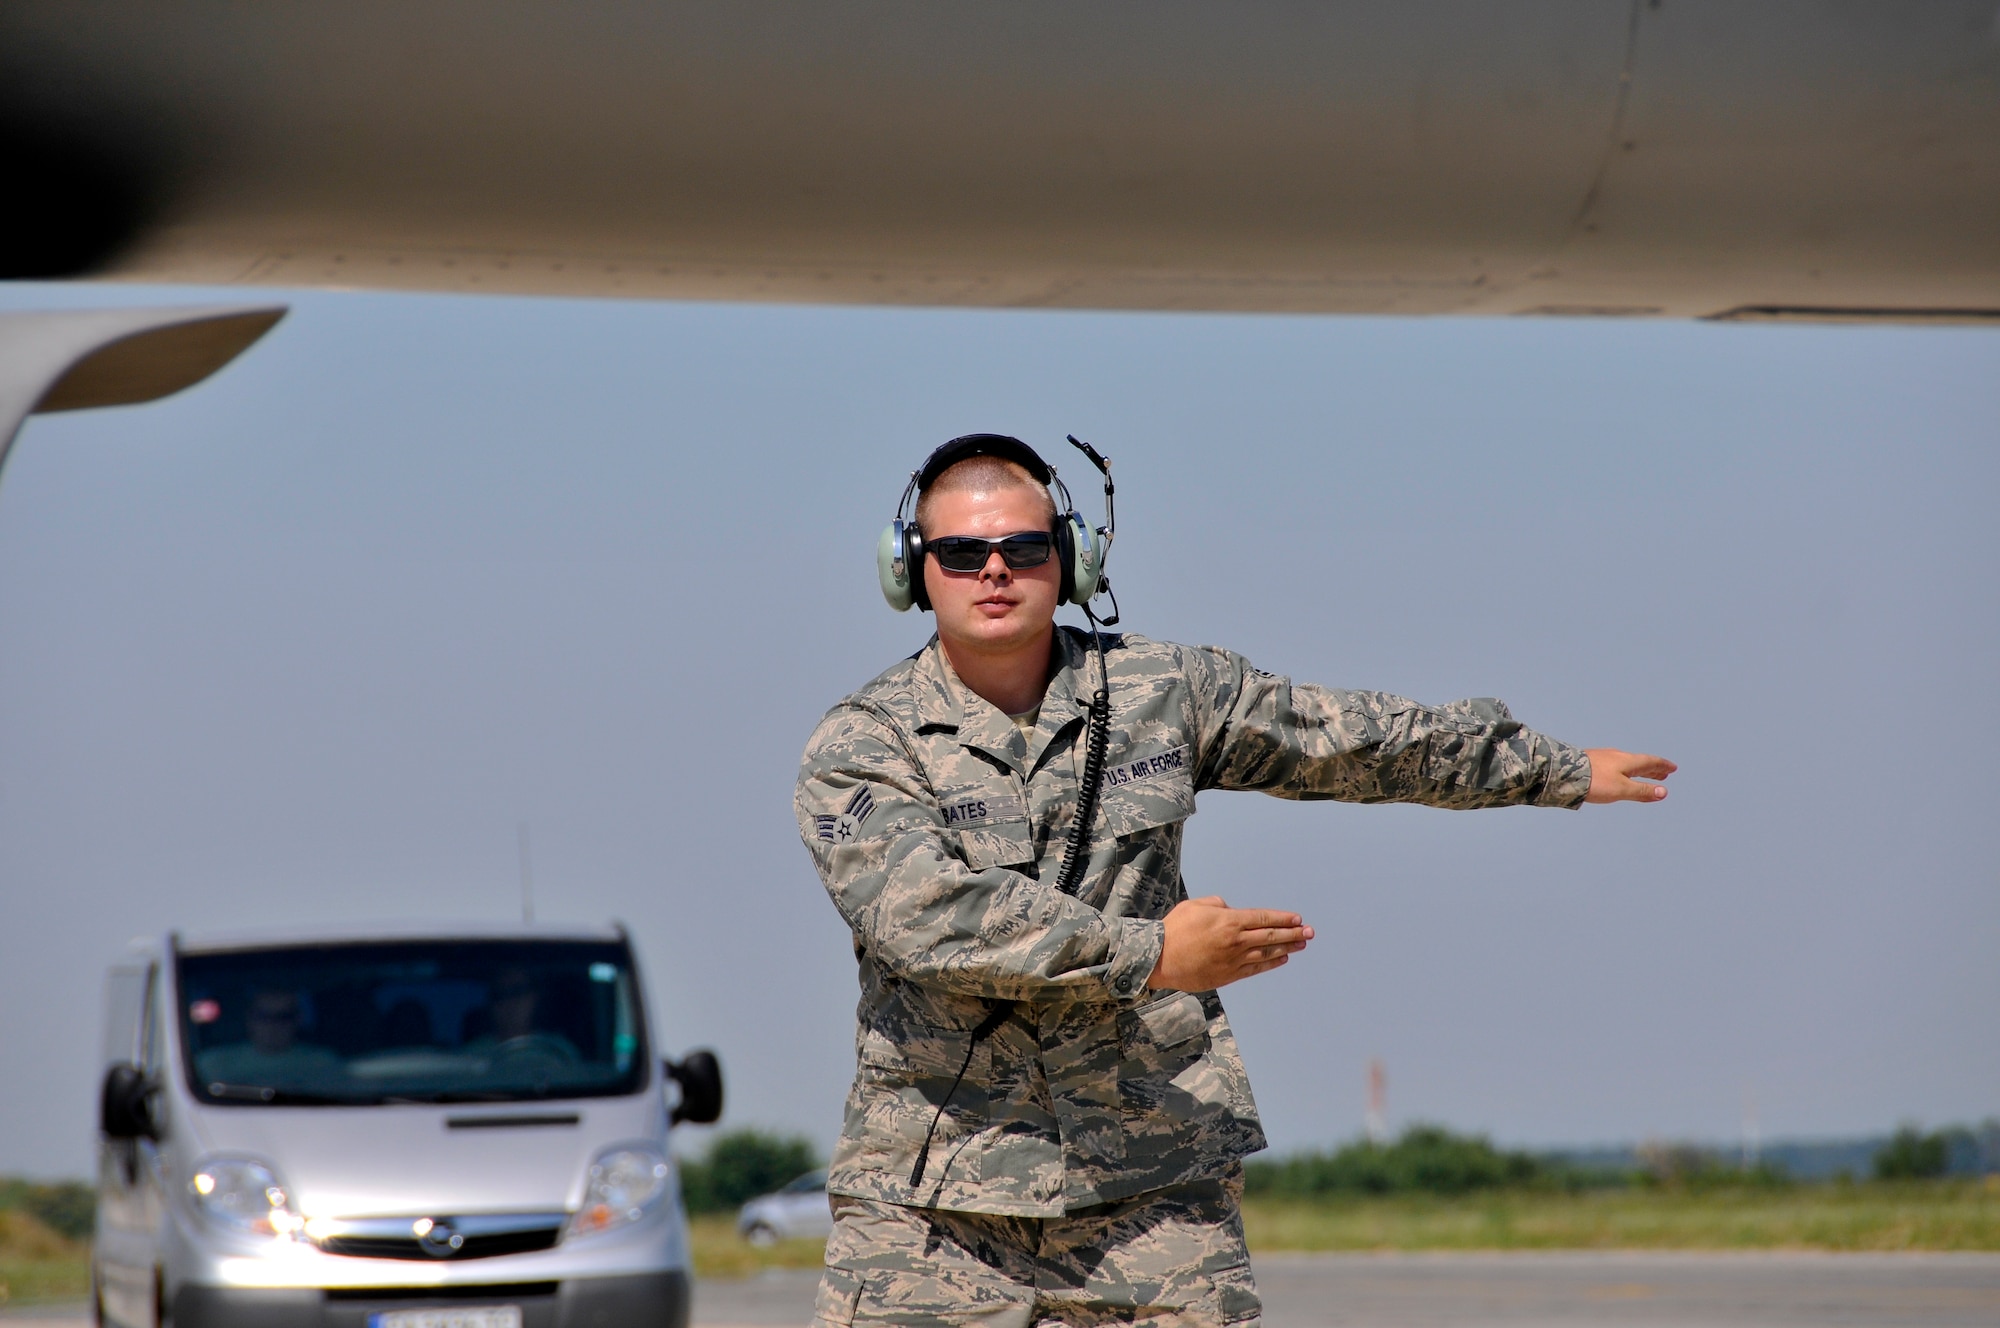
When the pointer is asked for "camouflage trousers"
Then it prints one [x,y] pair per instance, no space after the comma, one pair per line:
[1171,1257]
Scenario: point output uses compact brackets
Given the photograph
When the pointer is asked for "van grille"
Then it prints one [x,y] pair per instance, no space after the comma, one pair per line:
[479,1237]
[482,1292]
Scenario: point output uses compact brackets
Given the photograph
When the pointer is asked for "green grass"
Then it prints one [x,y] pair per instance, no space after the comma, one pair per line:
[44,1281]
[1917,1215]
[720,1252]
[38,1265]
[1938,1215]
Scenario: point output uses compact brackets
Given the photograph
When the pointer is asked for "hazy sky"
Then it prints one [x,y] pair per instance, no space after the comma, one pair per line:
[310,640]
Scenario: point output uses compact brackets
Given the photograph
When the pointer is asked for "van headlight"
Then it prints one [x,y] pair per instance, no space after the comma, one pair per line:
[623,1186]
[242,1194]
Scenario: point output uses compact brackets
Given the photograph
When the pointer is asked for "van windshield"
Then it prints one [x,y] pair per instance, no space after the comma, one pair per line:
[417,1021]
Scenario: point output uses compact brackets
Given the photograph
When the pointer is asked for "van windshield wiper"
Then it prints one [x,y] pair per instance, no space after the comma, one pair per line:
[274,1096]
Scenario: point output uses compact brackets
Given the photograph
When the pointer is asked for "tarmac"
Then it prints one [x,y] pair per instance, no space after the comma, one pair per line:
[1567,1290]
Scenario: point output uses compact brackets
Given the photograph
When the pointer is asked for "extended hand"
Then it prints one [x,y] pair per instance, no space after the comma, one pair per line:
[1612,776]
[1210,944]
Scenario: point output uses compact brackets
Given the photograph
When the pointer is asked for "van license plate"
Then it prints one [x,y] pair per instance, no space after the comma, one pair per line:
[458,1316]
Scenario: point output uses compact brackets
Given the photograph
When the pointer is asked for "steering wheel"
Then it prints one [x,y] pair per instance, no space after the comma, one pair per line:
[538,1046]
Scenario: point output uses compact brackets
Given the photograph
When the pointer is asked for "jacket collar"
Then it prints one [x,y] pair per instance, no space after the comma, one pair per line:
[945,704]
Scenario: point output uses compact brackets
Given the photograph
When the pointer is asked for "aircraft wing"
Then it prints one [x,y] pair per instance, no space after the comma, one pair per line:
[1710,158]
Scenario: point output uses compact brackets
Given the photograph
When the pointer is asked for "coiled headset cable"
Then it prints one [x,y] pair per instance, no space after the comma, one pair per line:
[1077,852]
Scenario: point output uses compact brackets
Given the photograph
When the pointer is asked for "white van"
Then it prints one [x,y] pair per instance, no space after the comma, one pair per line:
[390,1127]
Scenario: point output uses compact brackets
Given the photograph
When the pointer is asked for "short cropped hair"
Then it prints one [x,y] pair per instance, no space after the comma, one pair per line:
[981,474]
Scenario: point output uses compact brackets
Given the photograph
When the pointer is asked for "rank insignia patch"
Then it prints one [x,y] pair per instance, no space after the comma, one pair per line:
[846,827]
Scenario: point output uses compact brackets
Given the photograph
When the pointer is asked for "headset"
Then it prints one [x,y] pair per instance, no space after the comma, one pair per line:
[1079,550]
[899,561]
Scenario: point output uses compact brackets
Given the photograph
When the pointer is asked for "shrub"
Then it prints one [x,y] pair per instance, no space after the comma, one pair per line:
[1913,1155]
[1427,1159]
[68,1207]
[741,1165]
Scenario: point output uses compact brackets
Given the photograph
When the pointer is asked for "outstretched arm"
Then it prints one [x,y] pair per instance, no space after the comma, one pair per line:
[1262,732]
[1296,740]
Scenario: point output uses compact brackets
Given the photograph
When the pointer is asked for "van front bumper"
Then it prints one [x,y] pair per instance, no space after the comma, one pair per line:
[635,1300]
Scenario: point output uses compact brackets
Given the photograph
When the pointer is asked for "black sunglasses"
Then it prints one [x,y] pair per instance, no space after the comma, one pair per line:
[967,553]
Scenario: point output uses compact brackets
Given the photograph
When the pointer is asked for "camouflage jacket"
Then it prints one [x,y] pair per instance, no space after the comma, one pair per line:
[938,830]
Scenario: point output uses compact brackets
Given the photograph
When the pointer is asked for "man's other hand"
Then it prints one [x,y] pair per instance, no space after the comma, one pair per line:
[1617,776]
[1210,944]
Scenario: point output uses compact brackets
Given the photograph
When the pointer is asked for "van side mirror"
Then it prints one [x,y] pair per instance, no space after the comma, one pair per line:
[125,1107]
[700,1078]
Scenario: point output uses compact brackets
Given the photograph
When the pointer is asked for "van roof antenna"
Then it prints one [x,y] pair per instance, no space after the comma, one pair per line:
[527,879]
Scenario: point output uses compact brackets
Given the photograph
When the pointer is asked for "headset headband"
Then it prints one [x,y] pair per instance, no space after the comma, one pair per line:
[983,444]
[999,445]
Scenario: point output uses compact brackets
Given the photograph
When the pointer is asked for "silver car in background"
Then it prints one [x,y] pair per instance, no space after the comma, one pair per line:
[798,1211]
[390,1128]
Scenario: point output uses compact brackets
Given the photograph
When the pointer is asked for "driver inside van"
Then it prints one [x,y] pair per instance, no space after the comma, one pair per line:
[514,1006]
[273,1056]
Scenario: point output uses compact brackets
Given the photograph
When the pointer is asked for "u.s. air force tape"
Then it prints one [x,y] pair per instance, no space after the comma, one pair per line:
[1143,768]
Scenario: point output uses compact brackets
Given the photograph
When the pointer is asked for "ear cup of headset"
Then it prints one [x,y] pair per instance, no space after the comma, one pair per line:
[1082,552]
[1063,533]
[893,567]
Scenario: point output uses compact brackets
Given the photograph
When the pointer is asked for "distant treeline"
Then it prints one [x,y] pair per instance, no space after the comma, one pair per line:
[1429,1159]
[68,1207]
[1911,1153]
[1425,1159]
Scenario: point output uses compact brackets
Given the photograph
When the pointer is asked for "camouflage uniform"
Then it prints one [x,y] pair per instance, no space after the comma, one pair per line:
[1172,1256]
[935,824]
